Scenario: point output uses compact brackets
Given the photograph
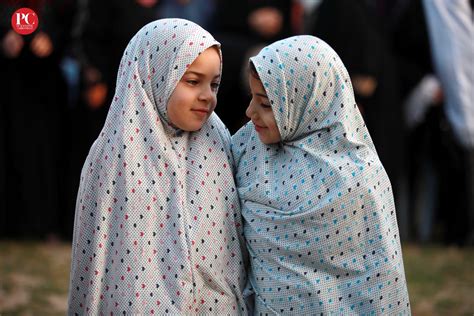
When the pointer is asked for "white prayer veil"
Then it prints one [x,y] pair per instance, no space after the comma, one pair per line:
[319,215]
[157,226]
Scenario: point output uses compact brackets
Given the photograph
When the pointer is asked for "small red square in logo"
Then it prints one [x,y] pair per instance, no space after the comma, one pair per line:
[24,21]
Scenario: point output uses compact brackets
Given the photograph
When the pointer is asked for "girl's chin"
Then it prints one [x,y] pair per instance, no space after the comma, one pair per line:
[193,127]
[264,140]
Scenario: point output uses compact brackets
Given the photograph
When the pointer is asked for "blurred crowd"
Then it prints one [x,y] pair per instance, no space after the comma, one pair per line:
[410,61]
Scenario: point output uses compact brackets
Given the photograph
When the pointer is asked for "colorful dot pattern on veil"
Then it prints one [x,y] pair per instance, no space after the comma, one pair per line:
[157,227]
[319,216]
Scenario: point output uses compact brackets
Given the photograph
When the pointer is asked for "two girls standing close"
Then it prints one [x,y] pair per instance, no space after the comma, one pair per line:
[158,226]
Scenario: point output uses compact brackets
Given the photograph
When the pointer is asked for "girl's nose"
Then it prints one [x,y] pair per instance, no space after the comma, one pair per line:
[249,112]
[206,94]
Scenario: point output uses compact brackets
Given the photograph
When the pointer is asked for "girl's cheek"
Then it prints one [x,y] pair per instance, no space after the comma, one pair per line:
[214,103]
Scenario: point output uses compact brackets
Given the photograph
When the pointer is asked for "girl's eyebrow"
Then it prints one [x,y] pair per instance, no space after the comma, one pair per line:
[199,74]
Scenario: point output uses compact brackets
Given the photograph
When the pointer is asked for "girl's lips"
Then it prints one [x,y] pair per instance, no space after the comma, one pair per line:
[258,128]
[201,112]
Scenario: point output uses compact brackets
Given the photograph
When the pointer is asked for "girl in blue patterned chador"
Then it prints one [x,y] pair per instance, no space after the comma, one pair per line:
[320,221]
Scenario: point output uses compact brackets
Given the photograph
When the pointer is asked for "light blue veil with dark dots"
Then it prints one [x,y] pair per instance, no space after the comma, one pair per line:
[319,214]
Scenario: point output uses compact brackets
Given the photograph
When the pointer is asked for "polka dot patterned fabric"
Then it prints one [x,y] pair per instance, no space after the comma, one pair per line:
[319,216]
[157,226]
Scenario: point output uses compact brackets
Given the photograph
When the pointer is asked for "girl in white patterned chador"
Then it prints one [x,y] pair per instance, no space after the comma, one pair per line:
[157,226]
[319,216]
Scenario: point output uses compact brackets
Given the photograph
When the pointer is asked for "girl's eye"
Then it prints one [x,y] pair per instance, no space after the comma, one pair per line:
[214,86]
[266,106]
[192,82]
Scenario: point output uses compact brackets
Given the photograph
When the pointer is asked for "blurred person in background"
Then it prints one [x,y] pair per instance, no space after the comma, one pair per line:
[244,27]
[424,120]
[32,109]
[451,33]
[199,11]
[434,54]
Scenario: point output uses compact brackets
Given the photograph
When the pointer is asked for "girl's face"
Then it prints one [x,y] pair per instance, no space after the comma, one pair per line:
[194,98]
[261,114]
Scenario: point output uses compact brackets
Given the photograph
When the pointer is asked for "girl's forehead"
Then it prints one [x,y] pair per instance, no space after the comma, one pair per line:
[210,55]
[257,87]
[208,63]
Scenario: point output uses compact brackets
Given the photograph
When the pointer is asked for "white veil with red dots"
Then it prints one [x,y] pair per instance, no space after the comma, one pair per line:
[157,225]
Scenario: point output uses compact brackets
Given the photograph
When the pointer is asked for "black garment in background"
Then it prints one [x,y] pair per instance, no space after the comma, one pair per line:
[32,105]
[3,165]
[456,172]
[410,44]
[236,37]
[232,17]
[106,28]
[357,35]
[432,142]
